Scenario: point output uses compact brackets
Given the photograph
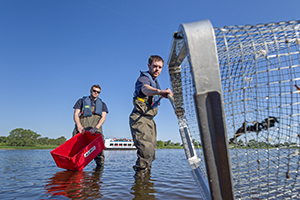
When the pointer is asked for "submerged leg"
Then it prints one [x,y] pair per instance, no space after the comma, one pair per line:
[143,133]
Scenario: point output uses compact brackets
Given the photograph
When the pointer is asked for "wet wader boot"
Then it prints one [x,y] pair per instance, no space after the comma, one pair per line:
[89,123]
[143,130]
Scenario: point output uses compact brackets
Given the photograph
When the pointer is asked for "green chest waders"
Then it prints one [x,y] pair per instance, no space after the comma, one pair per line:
[89,123]
[143,130]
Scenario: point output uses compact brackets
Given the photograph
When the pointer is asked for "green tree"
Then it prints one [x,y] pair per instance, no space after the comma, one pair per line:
[60,140]
[240,143]
[159,143]
[252,144]
[177,144]
[51,141]
[3,139]
[43,140]
[286,144]
[168,143]
[22,137]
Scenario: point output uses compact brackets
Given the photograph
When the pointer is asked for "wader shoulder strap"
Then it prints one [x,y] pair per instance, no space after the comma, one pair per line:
[156,98]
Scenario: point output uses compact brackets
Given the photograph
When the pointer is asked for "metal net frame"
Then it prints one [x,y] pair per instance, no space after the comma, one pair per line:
[259,69]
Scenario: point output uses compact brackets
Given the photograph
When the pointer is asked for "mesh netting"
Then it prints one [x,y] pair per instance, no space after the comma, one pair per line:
[260,72]
[259,67]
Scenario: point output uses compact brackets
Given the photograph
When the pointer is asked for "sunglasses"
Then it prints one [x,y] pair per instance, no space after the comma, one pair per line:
[96,91]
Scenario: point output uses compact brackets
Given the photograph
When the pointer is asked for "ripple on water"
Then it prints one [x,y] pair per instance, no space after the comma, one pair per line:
[32,174]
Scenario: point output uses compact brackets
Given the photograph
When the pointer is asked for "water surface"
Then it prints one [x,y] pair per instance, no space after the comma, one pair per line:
[33,174]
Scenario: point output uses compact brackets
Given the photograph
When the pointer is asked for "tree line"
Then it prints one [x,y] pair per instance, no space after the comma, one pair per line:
[27,137]
[260,144]
[168,143]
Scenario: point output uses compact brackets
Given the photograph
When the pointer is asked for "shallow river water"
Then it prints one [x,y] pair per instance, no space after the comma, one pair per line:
[33,174]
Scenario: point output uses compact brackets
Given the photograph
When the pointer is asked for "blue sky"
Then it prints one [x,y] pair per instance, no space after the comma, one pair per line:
[52,51]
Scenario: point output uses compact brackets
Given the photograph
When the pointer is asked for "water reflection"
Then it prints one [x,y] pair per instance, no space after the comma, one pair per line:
[32,174]
[75,184]
[143,188]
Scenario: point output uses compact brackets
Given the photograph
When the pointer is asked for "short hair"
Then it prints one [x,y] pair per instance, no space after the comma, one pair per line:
[96,86]
[154,58]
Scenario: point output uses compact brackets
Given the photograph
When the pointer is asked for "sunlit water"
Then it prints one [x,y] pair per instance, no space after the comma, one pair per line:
[33,174]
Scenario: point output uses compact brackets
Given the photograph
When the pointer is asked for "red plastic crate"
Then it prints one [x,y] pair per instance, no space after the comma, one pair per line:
[78,151]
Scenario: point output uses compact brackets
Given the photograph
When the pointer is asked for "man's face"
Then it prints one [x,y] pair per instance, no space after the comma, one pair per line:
[155,68]
[95,92]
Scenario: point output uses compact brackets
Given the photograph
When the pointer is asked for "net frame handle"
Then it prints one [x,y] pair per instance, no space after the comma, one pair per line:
[202,54]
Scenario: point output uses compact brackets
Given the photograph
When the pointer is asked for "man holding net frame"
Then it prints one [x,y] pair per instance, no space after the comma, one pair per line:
[147,96]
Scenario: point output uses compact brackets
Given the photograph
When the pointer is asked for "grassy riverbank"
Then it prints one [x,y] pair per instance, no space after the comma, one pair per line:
[170,147]
[30,147]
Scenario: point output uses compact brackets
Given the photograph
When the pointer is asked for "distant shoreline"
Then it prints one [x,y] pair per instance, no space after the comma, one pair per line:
[53,147]
[28,147]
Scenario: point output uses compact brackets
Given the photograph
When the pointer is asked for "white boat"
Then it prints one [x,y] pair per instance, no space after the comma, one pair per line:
[114,144]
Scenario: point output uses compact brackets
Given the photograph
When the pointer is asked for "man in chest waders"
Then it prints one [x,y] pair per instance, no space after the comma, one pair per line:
[89,115]
[147,96]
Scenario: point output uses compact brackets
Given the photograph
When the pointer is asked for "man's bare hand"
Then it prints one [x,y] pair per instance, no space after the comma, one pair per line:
[165,93]
[81,130]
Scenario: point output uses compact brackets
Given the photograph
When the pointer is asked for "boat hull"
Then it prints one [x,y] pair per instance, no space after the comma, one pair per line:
[120,148]
[113,144]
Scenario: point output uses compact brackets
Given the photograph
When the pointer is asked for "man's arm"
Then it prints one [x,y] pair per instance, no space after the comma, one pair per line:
[77,121]
[101,121]
[150,91]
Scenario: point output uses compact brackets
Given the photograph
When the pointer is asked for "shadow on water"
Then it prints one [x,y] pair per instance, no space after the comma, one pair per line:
[75,184]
